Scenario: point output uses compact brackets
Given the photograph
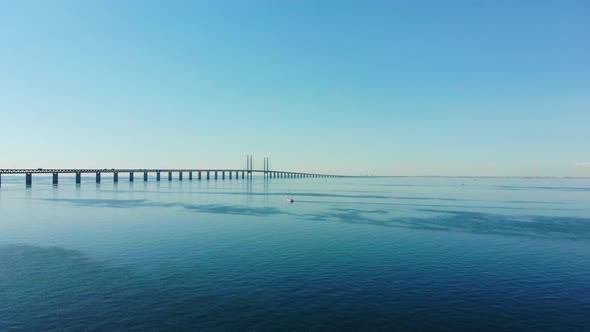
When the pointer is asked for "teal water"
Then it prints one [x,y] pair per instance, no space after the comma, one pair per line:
[405,254]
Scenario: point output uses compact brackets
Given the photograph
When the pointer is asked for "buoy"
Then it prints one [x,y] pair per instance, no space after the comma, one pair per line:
[290,200]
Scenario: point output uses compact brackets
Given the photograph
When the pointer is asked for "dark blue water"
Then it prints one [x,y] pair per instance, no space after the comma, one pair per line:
[404,254]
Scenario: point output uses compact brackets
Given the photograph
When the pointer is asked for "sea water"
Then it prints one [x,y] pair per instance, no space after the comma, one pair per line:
[392,254]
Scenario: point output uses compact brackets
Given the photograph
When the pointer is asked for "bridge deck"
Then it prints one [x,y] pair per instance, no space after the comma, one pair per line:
[142,170]
[208,172]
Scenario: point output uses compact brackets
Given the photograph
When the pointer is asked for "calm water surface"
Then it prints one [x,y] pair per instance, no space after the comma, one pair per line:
[404,254]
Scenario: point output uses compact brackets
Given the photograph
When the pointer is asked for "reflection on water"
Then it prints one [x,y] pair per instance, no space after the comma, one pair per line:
[361,254]
[133,203]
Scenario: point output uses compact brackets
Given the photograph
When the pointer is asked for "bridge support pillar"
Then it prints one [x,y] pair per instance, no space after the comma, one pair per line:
[180,176]
[97,177]
[230,175]
[199,175]
[215,175]
[145,176]
[54,180]
[78,177]
[208,175]
[28,179]
[130,176]
[169,176]
[116,177]
[223,175]
[190,176]
[158,176]
[243,175]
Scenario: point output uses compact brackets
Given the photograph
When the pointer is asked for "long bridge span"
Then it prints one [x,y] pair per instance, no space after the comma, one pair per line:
[199,174]
[213,173]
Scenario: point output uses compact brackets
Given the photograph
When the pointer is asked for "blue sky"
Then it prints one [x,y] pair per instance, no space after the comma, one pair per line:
[350,87]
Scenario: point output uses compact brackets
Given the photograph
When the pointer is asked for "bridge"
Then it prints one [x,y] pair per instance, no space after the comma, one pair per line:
[208,174]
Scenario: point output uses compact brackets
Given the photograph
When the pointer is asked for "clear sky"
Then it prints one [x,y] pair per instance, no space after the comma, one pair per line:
[351,87]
